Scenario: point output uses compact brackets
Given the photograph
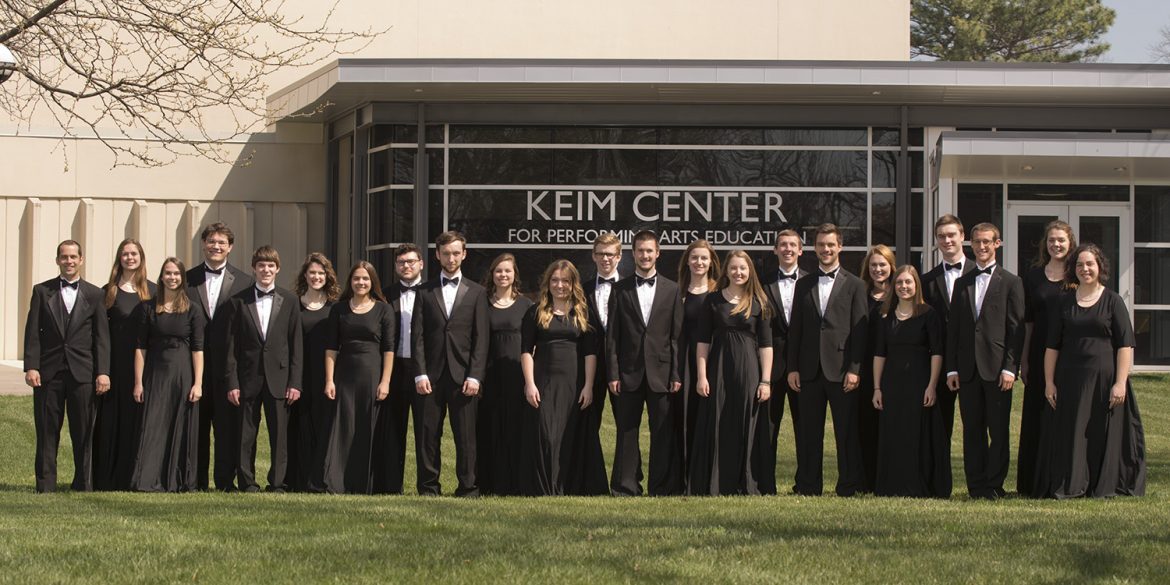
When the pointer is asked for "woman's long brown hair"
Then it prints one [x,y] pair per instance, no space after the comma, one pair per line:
[141,284]
[544,306]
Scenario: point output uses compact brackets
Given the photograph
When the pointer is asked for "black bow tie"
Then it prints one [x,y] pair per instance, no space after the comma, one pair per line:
[606,280]
[411,288]
[639,281]
[782,276]
[449,281]
[211,270]
[955,266]
[262,293]
[985,270]
[66,284]
[830,274]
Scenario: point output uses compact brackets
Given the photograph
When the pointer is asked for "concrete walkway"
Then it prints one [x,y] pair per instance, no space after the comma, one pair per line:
[12,379]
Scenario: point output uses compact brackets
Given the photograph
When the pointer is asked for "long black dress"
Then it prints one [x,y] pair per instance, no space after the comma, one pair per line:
[502,406]
[867,416]
[911,446]
[688,399]
[359,340]
[1040,295]
[558,354]
[1096,451]
[119,417]
[168,453]
[725,431]
[310,417]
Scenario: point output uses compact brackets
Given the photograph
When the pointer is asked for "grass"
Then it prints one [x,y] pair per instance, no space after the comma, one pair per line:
[218,538]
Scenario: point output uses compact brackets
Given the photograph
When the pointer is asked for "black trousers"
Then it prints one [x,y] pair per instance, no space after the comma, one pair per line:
[216,412]
[813,397]
[390,430]
[51,402]
[768,434]
[429,412]
[945,403]
[665,452]
[986,412]
[276,415]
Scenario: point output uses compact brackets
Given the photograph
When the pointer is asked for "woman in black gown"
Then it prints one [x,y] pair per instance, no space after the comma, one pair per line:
[733,375]
[119,417]
[698,272]
[1044,285]
[876,269]
[906,366]
[358,363]
[168,371]
[559,359]
[1098,447]
[311,416]
[500,440]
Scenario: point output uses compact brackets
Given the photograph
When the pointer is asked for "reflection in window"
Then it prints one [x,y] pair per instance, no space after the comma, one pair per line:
[980,203]
[1151,216]
[1152,329]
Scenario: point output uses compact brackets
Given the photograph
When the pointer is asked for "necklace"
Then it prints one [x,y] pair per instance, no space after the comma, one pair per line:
[906,315]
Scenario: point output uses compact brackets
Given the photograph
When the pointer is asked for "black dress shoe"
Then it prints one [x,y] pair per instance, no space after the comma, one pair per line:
[251,489]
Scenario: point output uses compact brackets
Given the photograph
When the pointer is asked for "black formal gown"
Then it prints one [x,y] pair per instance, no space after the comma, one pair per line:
[311,417]
[558,354]
[1040,296]
[868,419]
[119,417]
[168,453]
[1096,451]
[359,340]
[726,426]
[499,452]
[912,454]
[688,400]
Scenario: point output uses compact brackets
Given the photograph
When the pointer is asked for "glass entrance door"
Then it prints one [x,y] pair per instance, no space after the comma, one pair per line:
[1108,226]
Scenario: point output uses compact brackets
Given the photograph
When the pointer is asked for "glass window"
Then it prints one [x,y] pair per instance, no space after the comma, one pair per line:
[1027,192]
[501,134]
[816,136]
[892,136]
[1151,276]
[604,167]
[500,166]
[604,135]
[734,136]
[1151,216]
[391,216]
[816,168]
[743,168]
[1152,329]
[883,219]
[980,203]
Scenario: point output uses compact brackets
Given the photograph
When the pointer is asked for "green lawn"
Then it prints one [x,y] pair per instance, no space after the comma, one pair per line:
[219,538]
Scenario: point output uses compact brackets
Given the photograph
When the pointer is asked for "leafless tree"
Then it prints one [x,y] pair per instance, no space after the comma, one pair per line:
[179,77]
[1160,52]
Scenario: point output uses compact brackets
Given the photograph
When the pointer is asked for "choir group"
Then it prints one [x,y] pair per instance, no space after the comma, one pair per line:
[336,368]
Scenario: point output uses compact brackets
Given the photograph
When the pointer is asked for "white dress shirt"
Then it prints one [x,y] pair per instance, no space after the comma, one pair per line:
[264,308]
[450,290]
[787,288]
[981,283]
[825,288]
[213,282]
[646,297]
[951,276]
[406,312]
[601,297]
[69,294]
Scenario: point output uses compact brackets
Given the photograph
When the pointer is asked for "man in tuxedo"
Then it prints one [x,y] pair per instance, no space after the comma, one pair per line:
[641,348]
[210,286]
[985,338]
[780,293]
[264,367]
[392,418]
[607,254]
[937,286]
[449,325]
[826,343]
[67,363]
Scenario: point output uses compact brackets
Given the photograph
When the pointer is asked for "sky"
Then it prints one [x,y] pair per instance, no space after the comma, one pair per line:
[1137,26]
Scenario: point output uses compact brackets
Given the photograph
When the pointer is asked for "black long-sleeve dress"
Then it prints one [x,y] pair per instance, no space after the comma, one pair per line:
[726,427]
[168,452]
[500,440]
[359,340]
[868,419]
[688,400]
[1040,296]
[1096,451]
[912,444]
[119,417]
[311,417]
[558,355]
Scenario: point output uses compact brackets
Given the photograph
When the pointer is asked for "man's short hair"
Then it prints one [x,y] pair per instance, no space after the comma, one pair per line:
[218,228]
[788,233]
[451,236]
[265,254]
[947,219]
[70,243]
[644,235]
[607,239]
[404,249]
[828,228]
[985,227]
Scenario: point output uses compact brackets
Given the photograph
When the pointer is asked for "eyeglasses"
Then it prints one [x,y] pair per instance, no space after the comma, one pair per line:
[406,262]
[607,255]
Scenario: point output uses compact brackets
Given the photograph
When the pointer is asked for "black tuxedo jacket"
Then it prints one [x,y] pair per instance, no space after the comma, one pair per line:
[993,342]
[77,342]
[780,327]
[635,352]
[277,358]
[834,343]
[934,288]
[216,332]
[457,344]
[590,288]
